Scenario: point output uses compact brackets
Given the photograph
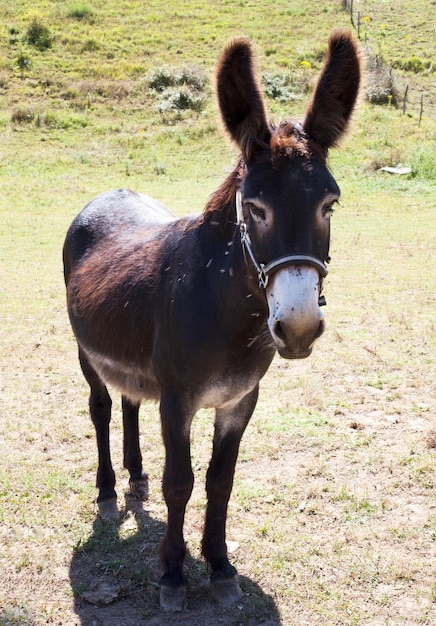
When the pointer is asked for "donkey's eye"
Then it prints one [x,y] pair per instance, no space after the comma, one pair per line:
[327,209]
[257,212]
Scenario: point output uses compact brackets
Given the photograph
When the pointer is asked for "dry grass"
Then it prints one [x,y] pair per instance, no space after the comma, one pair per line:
[333,513]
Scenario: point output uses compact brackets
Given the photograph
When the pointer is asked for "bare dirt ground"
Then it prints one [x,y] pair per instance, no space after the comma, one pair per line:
[332,518]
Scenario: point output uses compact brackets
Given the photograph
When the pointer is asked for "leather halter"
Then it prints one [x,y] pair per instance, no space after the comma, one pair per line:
[264,271]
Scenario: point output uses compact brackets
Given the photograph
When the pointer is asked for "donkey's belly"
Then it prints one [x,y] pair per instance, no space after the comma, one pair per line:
[226,392]
[134,382]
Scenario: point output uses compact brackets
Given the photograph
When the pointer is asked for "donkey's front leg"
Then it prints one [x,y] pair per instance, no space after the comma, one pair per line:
[177,484]
[229,428]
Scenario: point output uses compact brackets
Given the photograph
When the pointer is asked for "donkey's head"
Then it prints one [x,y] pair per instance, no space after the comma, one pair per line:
[287,192]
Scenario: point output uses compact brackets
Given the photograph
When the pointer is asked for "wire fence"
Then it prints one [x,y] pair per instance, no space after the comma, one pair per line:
[385,86]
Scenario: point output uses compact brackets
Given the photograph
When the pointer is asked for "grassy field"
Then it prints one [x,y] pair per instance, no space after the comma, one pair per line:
[333,515]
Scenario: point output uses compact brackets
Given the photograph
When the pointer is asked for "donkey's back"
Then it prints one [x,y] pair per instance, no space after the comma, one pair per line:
[115,213]
[113,251]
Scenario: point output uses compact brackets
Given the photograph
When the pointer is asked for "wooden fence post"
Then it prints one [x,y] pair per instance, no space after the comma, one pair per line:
[421,109]
[405,99]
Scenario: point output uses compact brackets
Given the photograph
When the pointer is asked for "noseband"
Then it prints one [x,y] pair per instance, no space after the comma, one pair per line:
[265,271]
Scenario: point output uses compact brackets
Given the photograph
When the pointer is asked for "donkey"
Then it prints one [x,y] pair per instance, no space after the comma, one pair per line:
[190,312]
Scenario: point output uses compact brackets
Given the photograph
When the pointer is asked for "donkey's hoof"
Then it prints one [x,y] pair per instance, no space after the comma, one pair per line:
[108,510]
[173,598]
[226,590]
[139,488]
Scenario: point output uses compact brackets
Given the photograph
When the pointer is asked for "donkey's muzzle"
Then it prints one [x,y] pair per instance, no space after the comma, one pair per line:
[295,318]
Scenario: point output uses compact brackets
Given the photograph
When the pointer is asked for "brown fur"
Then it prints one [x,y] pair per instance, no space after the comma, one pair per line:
[327,116]
[289,140]
[330,110]
[223,199]
[172,309]
[239,91]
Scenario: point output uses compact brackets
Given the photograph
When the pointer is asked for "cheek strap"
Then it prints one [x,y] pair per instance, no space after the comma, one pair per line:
[265,271]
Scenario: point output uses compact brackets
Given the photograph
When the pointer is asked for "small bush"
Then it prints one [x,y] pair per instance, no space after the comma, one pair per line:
[284,86]
[160,80]
[163,78]
[177,91]
[413,64]
[38,35]
[422,160]
[313,57]
[61,120]
[192,78]
[90,46]
[278,87]
[22,116]
[50,119]
[14,35]
[381,86]
[180,99]
[24,61]
[79,11]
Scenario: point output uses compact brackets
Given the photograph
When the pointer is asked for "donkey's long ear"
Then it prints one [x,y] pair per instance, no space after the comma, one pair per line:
[240,99]
[333,102]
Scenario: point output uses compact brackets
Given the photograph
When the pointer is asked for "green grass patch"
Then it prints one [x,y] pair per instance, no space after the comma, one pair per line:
[79,11]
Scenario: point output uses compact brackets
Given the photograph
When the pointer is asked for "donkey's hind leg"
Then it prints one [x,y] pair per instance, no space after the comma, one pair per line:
[132,453]
[100,409]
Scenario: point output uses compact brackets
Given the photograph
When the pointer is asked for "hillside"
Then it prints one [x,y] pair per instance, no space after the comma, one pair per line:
[74,56]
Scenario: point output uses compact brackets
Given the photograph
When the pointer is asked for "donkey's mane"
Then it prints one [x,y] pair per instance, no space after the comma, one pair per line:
[222,200]
[289,140]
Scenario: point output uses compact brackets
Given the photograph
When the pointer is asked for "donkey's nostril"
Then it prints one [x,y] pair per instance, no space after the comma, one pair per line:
[283,332]
[321,328]
[278,331]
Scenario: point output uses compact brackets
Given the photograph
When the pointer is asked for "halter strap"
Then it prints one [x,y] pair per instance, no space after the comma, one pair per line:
[265,271]
[295,259]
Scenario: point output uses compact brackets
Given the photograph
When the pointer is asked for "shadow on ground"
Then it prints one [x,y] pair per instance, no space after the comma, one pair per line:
[114,578]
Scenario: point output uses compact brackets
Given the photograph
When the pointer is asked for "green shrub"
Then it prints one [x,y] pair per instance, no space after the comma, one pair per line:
[381,85]
[38,35]
[24,61]
[177,91]
[160,80]
[422,160]
[62,120]
[14,35]
[278,87]
[79,11]
[313,57]
[163,78]
[192,78]
[285,86]
[22,116]
[180,99]
[50,119]
[90,46]
[413,64]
